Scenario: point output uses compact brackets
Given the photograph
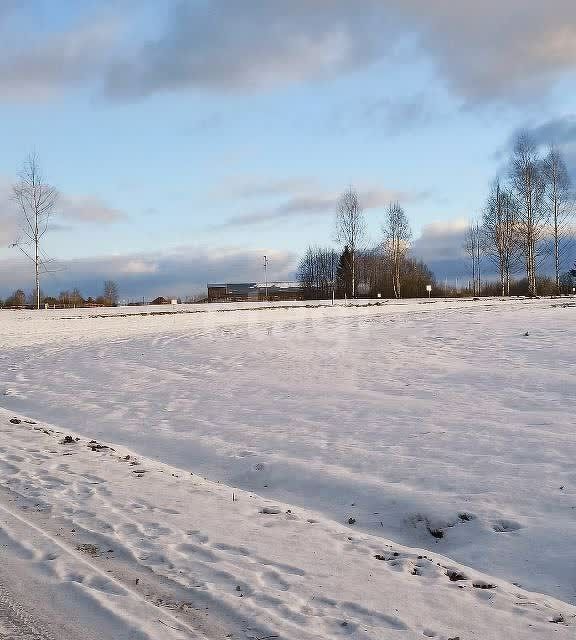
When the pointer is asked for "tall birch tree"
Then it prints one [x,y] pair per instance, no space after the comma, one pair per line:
[559,202]
[397,235]
[350,227]
[529,185]
[36,201]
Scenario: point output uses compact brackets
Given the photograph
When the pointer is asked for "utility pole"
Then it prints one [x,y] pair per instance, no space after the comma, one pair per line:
[266,276]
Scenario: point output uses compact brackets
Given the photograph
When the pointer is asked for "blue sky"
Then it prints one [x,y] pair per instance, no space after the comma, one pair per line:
[189,138]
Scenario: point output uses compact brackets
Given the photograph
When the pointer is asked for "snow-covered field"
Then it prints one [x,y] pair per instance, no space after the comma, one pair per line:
[289,454]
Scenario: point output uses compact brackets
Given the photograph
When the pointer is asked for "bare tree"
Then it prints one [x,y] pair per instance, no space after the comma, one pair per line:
[64,298]
[17,299]
[397,235]
[317,272]
[350,227]
[372,266]
[529,186]
[111,292]
[76,297]
[36,201]
[500,233]
[473,248]
[559,202]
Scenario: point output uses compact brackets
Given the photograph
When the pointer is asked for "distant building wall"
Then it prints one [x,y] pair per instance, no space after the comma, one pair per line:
[254,291]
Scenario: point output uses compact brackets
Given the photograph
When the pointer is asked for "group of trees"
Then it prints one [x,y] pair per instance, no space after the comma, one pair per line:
[526,226]
[386,269]
[526,221]
[66,299]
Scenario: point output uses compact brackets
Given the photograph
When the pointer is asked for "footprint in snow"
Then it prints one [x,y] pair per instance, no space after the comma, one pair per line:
[481,584]
[271,511]
[505,526]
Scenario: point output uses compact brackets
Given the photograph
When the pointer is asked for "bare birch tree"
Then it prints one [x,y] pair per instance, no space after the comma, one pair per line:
[36,201]
[500,233]
[111,293]
[529,186]
[473,248]
[397,234]
[559,203]
[350,227]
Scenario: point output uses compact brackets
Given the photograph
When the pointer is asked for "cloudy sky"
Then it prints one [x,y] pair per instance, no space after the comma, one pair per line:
[190,137]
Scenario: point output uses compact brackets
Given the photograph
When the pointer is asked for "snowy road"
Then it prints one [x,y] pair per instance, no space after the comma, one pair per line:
[15,622]
[51,588]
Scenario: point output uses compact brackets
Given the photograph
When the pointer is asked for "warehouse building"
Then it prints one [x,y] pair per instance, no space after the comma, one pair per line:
[254,292]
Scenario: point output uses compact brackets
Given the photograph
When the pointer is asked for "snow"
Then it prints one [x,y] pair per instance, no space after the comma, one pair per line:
[438,431]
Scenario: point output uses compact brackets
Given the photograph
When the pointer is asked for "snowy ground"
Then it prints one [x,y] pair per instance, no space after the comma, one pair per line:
[441,430]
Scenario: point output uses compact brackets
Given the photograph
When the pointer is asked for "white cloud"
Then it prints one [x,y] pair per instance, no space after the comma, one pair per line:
[304,197]
[258,188]
[440,246]
[489,50]
[9,223]
[559,131]
[248,46]
[139,267]
[87,209]
[42,68]
[485,51]
[69,209]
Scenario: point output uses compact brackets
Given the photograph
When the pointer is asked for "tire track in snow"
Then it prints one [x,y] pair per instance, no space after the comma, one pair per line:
[16,623]
[14,613]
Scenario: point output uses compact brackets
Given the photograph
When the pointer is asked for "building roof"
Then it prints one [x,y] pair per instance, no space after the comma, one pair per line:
[279,285]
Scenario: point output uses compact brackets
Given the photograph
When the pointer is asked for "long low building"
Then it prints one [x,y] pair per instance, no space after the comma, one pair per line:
[254,291]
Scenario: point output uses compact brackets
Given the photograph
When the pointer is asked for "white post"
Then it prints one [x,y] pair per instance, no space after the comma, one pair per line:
[266,276]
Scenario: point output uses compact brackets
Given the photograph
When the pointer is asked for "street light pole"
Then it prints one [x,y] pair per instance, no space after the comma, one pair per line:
[266,276]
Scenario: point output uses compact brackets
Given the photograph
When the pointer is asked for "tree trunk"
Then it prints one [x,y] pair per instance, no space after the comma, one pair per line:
[353,252]
[556,246]
[36,270]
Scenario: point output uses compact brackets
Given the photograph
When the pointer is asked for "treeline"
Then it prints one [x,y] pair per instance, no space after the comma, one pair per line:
[526,223]
[525,233]
[65,299]
[385,270]
[322,272]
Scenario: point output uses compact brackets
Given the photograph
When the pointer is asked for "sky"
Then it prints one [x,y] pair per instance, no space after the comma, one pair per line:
[189,138]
